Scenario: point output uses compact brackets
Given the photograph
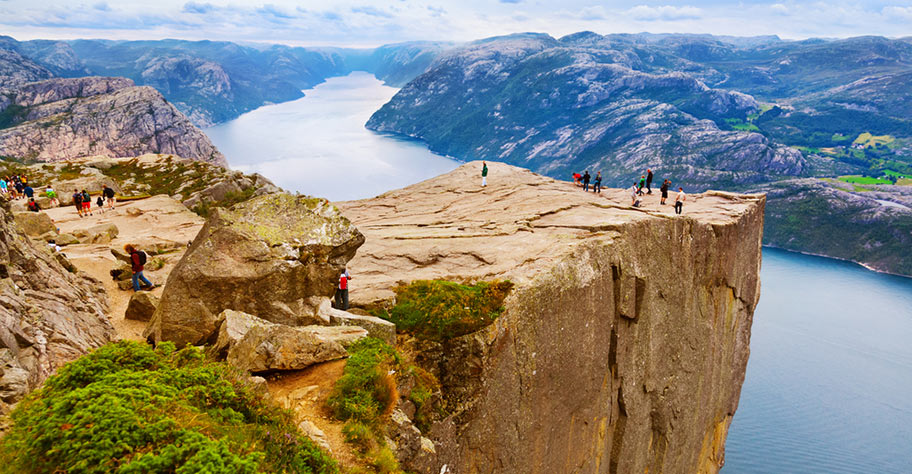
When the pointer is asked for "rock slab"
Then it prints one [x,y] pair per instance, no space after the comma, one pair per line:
[141,306]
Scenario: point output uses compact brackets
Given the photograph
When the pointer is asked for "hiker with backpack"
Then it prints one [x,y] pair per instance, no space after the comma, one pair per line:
[484,174]
[33,206]
[597,184]
[77,201]
[342,291]
[86,202]
[108,194]
[137,264]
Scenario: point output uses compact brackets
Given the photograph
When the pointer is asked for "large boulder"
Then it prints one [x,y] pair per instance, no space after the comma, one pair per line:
[99,234]
[275,256]
[141,306]
[266,348]
[35,224]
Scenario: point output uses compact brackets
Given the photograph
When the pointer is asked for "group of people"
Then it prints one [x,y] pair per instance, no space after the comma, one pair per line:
[645,181]
[82,200]
[16,187]
[584,179]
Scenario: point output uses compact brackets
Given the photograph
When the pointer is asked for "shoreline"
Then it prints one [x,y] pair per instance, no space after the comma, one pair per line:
[860,264]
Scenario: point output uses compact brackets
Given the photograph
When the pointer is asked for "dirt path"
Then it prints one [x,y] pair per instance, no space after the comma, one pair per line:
[305,392]
[156,222]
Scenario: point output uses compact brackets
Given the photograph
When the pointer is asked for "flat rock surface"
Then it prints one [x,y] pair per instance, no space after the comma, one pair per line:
[520,224]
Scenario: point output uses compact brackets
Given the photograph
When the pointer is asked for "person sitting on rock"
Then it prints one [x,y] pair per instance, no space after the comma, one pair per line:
[342,291]
[33,206]
[77,201]
[52,196]
[137,264]
[108,194]
[576,179]
[3,187]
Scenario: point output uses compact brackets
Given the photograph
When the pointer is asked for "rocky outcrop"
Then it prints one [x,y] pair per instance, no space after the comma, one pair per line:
[61,119]
[35,224]
[870,225]
[277,257]
[16,69]
[141,306]
[624,343]
[48,314]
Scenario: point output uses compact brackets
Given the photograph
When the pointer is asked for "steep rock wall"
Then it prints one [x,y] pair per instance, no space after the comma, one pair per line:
[624,344]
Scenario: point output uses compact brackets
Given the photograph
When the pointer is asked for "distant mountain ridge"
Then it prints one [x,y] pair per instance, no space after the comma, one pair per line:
[215,81]
[64,118]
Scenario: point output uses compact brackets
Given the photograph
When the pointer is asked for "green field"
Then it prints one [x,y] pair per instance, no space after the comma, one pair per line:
[867,139]
[857,179]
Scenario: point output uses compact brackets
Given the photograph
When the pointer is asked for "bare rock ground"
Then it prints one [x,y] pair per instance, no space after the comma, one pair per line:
[158,221]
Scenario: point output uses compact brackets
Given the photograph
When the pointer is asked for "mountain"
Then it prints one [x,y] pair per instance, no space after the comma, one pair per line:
[216,81]
[16,69]
[561,106]
[60,119]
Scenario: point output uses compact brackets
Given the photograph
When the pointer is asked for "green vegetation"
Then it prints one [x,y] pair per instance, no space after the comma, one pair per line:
[366,394]
[128,408]
[738,124]
[866,139]
[12,115]
[855,179]
[231,198]
[440,310]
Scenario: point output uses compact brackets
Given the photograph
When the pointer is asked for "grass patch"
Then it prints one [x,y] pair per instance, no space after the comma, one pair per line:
[129,408]
[367,393]
[440,310]
[856,179]
[868,139]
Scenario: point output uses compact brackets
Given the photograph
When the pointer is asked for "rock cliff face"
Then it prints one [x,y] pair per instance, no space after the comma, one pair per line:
[61,119]
[622,347]
[48,315]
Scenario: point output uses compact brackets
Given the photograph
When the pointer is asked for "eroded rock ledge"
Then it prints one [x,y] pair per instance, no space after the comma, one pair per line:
[623,346]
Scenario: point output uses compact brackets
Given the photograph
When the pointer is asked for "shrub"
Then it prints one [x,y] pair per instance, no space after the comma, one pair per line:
[129,408]
[440,310]
[366,390]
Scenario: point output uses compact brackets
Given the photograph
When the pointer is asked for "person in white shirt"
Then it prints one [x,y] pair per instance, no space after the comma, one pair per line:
[679,200]
[635,195]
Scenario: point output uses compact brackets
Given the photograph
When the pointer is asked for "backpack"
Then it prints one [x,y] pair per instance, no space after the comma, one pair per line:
[86,197]
[142,257]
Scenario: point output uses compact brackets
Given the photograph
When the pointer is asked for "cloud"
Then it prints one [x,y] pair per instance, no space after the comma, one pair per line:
[198,8]
[510,1]
[664,13]
[593,13]
[436,11]
[897,13]
[779,9]
[372,11]
[102,7]
[277,13]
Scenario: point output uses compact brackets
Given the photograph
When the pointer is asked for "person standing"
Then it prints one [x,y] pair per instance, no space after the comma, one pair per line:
[484,173]
[586,178]
[597,187]
[641,184]
[77,201]
[100,203]
[679,201]
[108,194]
[86,203]
[3,186]
[342,291]
[635,195]
[664,190]
[28,191]
[52,197]
[648,181]
[137,264]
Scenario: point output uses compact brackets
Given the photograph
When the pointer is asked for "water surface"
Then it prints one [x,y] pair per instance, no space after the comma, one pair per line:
[318,145]
[829,381]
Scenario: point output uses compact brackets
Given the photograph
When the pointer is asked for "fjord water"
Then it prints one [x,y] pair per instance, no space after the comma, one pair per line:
[318,145]
[829,381]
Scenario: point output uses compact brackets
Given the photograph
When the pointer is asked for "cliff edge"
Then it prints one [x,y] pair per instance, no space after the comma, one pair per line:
[624,344]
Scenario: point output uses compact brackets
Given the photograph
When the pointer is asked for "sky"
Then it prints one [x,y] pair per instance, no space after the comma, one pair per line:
[366,23]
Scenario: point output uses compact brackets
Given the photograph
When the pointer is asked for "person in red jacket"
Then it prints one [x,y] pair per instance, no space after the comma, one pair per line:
[342,290]
[137,262]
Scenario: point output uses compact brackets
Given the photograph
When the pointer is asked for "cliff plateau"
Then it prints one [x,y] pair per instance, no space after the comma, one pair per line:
[622,347]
